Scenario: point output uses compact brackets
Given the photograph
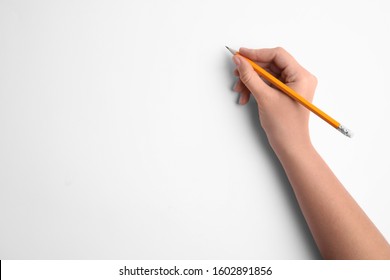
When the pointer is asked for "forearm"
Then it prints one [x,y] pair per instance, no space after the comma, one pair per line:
[339,226]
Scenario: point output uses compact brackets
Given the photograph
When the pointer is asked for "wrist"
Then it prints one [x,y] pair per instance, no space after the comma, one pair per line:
[291,146]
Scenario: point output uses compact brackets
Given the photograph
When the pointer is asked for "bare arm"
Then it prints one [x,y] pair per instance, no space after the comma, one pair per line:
[339,226]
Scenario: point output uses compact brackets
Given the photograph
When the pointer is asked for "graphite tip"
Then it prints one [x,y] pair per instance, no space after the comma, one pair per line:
[231,50]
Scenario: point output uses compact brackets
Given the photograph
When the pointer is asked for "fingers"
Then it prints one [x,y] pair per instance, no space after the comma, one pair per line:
[244,97]
[279,56]
[244,93]
[239,86]
[250,78]
[275,58]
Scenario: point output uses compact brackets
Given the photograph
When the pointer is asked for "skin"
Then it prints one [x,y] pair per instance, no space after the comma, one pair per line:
[339,226]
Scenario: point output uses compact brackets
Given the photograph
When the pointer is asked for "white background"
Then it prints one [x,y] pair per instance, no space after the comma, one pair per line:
[120,136]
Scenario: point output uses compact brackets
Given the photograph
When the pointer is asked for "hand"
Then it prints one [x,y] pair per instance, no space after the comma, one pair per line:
[284,120]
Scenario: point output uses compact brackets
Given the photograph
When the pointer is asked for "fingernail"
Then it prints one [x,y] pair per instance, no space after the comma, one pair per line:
[241,100]
[236,60]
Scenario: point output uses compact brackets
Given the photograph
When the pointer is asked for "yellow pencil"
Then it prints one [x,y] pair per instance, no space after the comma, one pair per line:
[294,95]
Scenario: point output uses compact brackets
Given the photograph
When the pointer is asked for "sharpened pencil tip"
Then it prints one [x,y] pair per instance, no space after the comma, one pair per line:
[231,50]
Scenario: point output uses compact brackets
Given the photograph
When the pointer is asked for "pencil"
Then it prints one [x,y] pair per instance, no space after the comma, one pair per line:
[294,95]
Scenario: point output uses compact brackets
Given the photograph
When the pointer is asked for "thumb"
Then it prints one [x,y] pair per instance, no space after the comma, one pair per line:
[250,78]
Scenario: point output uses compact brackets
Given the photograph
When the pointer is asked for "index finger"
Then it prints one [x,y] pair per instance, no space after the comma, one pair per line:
[276,56]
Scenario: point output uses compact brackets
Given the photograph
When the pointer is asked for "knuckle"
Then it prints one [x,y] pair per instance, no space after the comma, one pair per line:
[315,79]
[279,49]
[309,78]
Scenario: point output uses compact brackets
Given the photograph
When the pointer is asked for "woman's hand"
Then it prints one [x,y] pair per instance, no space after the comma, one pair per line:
[284,120]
